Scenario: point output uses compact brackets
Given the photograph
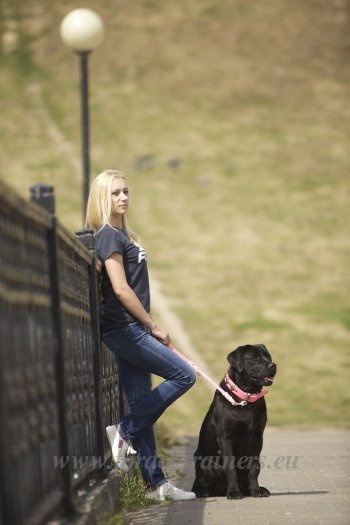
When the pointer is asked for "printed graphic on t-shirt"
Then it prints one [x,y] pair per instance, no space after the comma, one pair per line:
[142,255]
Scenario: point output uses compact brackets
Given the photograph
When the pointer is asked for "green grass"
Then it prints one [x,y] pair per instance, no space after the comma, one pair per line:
[115,519]
[249,235]
[132,492]
[132,496]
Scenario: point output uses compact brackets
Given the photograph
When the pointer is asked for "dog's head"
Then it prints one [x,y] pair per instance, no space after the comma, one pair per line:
[253,364]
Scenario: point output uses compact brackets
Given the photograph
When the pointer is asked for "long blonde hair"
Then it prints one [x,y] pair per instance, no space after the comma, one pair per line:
[99,205]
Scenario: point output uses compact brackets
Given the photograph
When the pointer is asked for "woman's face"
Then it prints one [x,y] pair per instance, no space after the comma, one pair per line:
[120,197]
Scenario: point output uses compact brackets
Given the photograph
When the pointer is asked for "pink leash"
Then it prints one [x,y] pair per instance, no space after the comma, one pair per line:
[207,378]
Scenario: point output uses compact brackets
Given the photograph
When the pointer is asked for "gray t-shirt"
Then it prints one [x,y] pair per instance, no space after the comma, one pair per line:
[109,240]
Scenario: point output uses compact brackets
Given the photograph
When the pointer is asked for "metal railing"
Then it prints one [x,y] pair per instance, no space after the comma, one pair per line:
[59,387]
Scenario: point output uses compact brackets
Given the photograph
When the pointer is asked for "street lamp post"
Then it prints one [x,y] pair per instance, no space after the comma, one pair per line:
[82,30]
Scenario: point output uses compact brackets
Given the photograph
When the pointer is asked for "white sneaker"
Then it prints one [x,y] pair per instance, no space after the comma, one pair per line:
[121,449]
[169,491]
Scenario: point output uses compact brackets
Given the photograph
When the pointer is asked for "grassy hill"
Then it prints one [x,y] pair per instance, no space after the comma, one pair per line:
[231,119]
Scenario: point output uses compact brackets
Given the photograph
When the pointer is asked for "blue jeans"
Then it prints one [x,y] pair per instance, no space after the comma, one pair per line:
[137,355]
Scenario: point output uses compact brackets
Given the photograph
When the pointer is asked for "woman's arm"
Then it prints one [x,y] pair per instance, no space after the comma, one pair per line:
[128,298]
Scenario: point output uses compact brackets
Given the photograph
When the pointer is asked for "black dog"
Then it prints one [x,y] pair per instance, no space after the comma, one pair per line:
[231,437]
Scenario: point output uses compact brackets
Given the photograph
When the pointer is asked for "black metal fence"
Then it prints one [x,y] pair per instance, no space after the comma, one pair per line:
[58,386]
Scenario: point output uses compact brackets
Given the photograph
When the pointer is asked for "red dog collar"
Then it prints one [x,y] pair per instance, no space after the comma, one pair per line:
[250,398]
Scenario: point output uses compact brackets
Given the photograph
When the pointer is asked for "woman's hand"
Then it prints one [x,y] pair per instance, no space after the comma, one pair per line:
[161,335]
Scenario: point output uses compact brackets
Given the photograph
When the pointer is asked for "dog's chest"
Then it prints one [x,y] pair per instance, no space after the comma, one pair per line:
[240,421]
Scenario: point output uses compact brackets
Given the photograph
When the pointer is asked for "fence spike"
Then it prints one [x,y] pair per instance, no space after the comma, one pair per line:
[43,195]
[87,237]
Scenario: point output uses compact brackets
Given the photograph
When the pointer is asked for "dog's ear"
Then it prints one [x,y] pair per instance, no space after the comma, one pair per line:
[235,358]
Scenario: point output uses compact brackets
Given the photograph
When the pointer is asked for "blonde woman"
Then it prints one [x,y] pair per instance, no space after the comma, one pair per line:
[136,341]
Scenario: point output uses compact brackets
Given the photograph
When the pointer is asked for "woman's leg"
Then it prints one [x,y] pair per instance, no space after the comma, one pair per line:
[136,346]
[137,385]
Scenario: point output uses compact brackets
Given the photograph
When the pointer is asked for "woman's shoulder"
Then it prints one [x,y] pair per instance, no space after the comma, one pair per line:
[108,238]
[105,231]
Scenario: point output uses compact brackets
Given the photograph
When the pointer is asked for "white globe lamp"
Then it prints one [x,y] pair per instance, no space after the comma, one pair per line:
[82,30]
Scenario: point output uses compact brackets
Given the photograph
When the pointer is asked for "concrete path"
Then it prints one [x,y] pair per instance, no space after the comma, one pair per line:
[307,473]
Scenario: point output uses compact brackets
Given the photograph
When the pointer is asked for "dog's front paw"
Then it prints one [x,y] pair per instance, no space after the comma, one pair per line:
[234,494]
[261,492]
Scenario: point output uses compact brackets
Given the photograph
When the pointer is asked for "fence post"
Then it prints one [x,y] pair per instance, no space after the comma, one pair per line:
[86,237]
[43,195]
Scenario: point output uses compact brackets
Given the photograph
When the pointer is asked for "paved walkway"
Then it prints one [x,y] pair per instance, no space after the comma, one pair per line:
[307,473]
